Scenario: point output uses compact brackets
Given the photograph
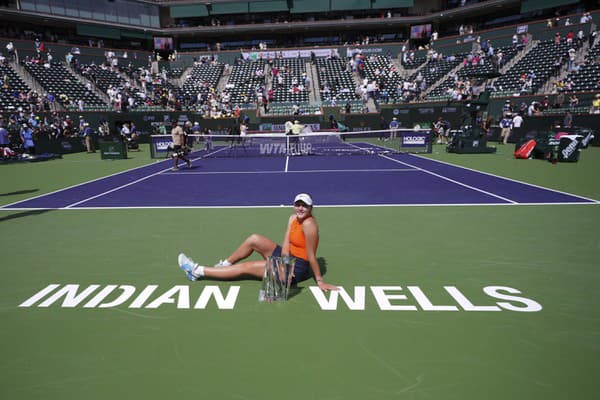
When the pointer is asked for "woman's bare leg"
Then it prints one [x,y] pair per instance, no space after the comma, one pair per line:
[249,268]
[254,242]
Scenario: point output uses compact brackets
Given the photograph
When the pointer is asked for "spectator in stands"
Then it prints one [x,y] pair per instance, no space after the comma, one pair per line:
[573,102]
[596,104]
[557,65]
[585,18]
[10,51]
[569,38]
[533,109]
[559,100]
[348,108]
[568,120]
[545,104]
[580,38]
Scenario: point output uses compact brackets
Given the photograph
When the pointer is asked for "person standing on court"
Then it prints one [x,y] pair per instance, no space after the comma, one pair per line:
[27,140]
[393,128]
[506,124]
[88,134]
[517,122]
[4,140]
[243,132]
[178,146]
[297,127]
[301,240]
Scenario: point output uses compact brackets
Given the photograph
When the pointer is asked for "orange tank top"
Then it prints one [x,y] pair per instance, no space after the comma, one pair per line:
[298,241]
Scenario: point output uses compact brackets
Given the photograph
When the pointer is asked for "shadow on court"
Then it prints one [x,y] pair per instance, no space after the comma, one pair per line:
[295,290]
[25,191]
[23,214]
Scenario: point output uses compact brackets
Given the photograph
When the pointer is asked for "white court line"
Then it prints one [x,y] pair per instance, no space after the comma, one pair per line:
[509,179]
[81,184]
[115,189]
[95,180]
[286,171]
[320,206]
[127,184]
[287,163]
[413,168]
[452,180]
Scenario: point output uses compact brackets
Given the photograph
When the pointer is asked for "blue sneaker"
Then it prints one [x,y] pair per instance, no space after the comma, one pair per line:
[187,265]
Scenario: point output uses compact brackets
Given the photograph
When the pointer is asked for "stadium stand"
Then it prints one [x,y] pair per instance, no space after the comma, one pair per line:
[457,85]
[13,90]
[245,81]
[587,76]
[385,73]
[357,81]
[336,82]
[289,81]
[68,89]
[533,70]
[202,80]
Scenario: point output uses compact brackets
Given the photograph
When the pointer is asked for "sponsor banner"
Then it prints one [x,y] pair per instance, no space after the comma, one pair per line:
[271,127]
[414,139]
[160,145]
[303,53]
[366,50]
[568,148]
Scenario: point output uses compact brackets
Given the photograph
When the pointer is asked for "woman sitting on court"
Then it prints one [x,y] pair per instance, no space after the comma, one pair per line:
[300,241]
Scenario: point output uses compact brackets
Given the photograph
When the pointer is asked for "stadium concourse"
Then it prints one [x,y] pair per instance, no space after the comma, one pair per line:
[460,276]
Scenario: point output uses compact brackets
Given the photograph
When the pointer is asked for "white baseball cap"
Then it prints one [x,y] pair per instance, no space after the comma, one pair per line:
[305,198]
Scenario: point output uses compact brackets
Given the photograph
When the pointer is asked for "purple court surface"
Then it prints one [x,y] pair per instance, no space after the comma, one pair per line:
[357,180]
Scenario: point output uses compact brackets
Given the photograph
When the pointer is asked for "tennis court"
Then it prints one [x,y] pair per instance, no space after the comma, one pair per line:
[462,277]
[375,179]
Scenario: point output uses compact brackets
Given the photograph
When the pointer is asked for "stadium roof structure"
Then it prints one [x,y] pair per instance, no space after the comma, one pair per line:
[171,9]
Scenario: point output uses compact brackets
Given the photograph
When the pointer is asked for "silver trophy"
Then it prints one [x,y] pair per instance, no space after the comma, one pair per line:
[277,279]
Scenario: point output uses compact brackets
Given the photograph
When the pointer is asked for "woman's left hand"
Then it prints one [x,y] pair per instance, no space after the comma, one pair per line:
[326,286]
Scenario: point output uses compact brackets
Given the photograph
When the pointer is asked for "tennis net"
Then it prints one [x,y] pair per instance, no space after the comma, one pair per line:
[280,144]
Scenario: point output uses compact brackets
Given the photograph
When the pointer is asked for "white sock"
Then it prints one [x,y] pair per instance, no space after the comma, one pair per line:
[198,271]
[223,263]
